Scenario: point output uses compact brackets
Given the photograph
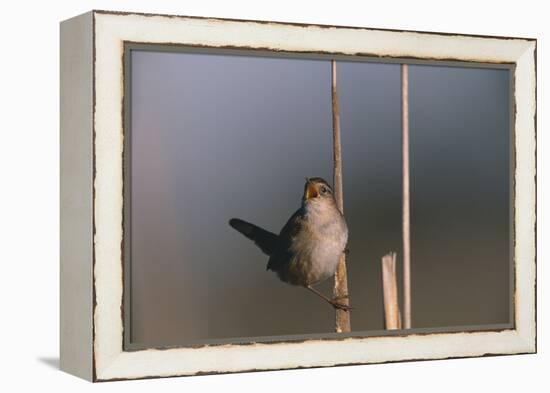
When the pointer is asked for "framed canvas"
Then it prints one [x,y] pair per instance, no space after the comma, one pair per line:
[385,178]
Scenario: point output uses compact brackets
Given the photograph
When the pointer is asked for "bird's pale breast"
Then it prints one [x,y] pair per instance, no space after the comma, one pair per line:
[317,248]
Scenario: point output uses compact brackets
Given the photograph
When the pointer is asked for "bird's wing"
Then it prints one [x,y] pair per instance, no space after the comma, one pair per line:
[267,241]
[292,227]
[287,237]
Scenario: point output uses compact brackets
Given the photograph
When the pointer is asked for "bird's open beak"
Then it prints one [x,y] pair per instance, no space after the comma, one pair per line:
[310,191]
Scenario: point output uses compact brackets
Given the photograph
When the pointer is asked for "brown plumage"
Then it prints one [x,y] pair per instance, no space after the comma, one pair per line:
[308,248]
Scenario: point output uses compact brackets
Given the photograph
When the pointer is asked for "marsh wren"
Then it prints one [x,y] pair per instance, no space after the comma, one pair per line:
[308,248]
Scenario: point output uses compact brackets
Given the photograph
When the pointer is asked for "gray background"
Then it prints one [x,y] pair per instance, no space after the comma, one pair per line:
[218,136]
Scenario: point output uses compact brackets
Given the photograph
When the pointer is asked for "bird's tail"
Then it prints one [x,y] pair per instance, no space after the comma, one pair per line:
[265,240]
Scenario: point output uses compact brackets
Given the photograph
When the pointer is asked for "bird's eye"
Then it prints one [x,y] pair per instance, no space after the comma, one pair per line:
[324,190]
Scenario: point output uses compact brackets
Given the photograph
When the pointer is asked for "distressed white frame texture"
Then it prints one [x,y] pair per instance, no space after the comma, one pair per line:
[111,30]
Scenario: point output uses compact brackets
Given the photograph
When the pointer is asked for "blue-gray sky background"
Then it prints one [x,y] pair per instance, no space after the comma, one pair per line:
[222,136]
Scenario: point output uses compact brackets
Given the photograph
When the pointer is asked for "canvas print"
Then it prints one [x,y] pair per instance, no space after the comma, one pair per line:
[269,197]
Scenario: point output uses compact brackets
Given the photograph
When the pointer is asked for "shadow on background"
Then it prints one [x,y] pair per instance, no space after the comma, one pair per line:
[52,362]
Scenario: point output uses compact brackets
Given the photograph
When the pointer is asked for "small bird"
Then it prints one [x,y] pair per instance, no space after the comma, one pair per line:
[308,248]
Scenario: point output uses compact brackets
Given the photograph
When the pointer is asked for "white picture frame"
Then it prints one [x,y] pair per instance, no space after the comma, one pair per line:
[92,141]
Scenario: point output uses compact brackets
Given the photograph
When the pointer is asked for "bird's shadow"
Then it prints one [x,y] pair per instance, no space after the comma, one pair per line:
[50,361]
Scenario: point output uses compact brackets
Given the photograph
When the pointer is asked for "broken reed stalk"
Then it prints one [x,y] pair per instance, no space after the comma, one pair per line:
[340,290]
[391,298]
[406,198]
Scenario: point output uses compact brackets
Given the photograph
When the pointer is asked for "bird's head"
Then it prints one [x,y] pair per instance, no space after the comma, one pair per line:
[317,189]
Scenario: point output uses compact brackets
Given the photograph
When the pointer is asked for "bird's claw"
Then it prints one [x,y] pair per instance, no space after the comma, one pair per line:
[340,306]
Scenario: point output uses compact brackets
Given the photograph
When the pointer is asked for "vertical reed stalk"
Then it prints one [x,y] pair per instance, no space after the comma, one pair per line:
[406,198]
[391,298]
[340,291]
